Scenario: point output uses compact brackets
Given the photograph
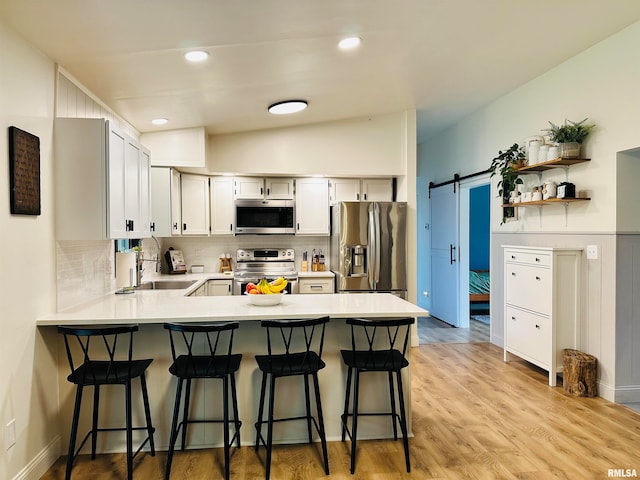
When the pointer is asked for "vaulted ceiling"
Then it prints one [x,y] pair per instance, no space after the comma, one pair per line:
[443,58]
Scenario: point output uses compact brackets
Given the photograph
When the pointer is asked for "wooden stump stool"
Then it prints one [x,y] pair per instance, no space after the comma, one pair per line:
[579,373]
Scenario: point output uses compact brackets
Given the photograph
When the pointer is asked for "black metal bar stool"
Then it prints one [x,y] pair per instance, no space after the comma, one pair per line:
[372,351]
[216,339]
[294,348]
[105,362]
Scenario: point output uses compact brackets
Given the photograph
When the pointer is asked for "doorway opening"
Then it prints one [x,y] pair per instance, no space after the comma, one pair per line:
[473,225]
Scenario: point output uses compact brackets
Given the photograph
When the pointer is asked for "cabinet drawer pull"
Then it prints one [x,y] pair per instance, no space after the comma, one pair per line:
[537,278]
[537,260]
[513,318]
[513,274]
[513,257]
[315,287]
[538,327]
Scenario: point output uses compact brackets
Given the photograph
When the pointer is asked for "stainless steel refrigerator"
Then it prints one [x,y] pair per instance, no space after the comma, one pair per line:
[368,247]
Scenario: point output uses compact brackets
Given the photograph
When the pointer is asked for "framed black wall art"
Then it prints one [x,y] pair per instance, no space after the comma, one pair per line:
[24,172]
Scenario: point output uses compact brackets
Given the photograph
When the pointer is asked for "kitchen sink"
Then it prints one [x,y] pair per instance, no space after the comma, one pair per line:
[166,285]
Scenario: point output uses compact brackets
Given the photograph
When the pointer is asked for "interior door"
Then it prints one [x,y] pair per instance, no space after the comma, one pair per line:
[444,207]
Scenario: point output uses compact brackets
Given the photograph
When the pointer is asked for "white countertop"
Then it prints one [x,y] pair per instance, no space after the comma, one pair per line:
[326,273]
[157,306]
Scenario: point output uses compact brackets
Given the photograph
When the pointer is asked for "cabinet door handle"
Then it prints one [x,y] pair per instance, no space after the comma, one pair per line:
[184,226]
[538,327]
[298,226]
[451,249]
[513,318]
[358,196]
[175,226]
[268,192]
[365,196]
[537,278]
[231,227]
[513,274]
[513,257]
[261,190]
[152,226]
[537,260]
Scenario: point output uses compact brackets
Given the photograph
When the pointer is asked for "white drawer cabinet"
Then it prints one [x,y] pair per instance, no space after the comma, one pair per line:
[542,304]
[315,285]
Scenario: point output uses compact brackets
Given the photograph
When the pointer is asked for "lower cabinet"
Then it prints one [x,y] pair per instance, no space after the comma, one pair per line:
[542,304]
[219,288]
[315,285]
[213,288]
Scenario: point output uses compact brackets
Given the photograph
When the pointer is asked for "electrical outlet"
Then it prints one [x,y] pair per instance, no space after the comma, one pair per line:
[592,252]
[10,434]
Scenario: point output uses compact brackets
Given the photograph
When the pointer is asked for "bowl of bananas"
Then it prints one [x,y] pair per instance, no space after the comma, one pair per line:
[266,293]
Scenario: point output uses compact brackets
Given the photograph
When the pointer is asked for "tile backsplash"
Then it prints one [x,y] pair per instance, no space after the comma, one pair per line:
[207,250]
[85,271]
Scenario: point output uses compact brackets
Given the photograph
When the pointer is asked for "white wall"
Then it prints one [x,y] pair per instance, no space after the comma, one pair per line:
[359,147]
[28,390]
[602,84]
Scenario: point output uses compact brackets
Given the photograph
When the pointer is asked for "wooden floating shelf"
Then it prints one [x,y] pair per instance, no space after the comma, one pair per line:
[549,164]
[549,201]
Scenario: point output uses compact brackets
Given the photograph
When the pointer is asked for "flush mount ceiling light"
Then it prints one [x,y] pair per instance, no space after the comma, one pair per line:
[160,121]
[196,56]
[349,43]
[288,106]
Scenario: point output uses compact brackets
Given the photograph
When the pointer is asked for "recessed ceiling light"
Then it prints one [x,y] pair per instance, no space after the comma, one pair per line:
[159,121]
[288,106]
[349,43]
[196,55]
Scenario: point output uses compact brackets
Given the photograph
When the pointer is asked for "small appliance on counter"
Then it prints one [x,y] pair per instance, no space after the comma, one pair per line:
[175,260]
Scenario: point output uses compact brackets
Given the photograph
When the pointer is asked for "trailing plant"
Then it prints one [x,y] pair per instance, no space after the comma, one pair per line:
[569,131]
[504,164]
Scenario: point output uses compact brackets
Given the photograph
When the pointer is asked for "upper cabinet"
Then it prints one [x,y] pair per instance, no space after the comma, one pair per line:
[258,188]
[360,190]
[195,204]
[165,202]
[222,205]
[102,181]
[312,211]
[177,148]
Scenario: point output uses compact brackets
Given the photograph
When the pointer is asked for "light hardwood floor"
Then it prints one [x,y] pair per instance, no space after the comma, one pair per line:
[474,417]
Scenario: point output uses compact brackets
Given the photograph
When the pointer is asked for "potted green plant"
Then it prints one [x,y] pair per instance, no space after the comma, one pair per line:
[569,136]
[506,164]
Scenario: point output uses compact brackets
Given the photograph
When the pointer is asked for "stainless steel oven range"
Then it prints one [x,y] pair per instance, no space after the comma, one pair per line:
[252,264]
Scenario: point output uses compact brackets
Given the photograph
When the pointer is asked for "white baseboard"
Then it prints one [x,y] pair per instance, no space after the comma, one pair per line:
[39,464]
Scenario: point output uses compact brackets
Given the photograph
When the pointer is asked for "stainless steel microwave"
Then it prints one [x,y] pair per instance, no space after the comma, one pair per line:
[265,217]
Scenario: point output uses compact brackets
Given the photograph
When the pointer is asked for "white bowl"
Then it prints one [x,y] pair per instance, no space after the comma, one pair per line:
[263,300]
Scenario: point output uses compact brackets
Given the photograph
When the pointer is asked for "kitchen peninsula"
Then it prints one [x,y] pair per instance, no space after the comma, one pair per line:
[150,308]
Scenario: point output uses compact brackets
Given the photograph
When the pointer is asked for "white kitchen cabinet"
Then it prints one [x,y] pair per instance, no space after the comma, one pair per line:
[185,147]
[176,202]
[542,304]
[377,190]
[222,205]
[344,190]
[279,188]
[312,206]
[165,202]
[316,284]
[356,190]
[194,190]
[258,188]
[102,181]
[219,288]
